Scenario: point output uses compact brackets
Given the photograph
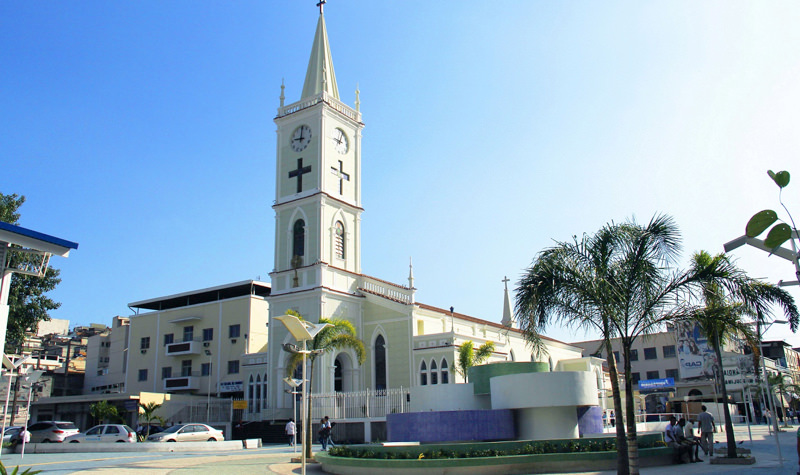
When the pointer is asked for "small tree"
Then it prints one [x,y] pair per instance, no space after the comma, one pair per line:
[469,357]
[104,411]
[147,414]
[783,386]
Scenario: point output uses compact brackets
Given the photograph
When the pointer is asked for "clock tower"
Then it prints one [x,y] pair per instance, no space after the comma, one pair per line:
[318,184]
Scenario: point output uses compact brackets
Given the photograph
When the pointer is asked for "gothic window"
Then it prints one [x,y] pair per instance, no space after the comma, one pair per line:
[298,238]
[434,373]
[445,372]
[380,363]
[258,392]
[339,229]
[337,375]
[264,399]
[423,374]
[250,390]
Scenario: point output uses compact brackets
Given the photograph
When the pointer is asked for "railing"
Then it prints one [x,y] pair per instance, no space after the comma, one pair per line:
[323,97]
[360,404]
[385,289]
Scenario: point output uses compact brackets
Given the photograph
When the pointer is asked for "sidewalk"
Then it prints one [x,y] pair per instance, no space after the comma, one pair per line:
[260,461]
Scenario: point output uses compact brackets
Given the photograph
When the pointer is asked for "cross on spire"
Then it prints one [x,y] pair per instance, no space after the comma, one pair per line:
[320,4]
[505,281]
[341,175]
[299,172]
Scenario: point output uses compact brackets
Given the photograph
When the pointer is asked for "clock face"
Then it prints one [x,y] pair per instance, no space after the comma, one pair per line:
[300,138]
[340,142]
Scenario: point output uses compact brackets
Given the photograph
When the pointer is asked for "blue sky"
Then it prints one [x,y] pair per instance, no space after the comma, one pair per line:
[143,131]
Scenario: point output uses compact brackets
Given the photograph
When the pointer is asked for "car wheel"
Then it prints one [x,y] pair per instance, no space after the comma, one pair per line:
[74,442]
[46,441]
[171,440]
[211,439]
[120,441]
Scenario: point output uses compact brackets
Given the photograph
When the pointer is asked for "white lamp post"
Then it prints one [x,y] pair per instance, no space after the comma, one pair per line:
[770,401]
[31,379]
[303,331]
[208,395]
[294,384]
[11,367]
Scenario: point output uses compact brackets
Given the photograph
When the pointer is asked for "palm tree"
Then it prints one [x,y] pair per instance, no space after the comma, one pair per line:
[103,411]
[147,413]
[340,335]
[468,357]
[571,283]
[726,304]
[783,386]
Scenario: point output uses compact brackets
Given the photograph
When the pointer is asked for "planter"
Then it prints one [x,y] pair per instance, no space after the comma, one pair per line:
[730,461]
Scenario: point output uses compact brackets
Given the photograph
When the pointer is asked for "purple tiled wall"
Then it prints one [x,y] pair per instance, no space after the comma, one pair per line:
[450,426]
[590,420]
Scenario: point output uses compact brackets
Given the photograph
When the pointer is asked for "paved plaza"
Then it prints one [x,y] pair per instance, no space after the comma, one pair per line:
[277,460]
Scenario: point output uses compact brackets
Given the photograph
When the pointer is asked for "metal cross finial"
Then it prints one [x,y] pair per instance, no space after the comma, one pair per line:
[320,4]
[505,281]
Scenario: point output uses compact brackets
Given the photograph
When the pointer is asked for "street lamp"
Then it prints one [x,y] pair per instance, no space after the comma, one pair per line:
[31,379]
[294,384]
[11,367]
[303,331]
[208,395]
[771,402]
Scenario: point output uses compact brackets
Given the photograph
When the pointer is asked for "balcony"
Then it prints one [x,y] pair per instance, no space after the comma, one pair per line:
[182,383]
[186,348]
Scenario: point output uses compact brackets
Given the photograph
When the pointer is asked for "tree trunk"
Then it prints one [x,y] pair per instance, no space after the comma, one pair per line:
[622,444]
[728,422]
[630,412]
[307,436]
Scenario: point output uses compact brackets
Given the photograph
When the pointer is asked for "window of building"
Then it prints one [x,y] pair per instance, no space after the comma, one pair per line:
[445,372]
[234,331]
[339,229]
[650,353]
[380,363]
[669,351]
[672,373]
[434,373]
[635,377]
[634,355]
[166,372]
[423,374]
[208,334]
[258,391]
[205,369]
[142,375]
[337,375]
[652,375]
[145,344]
[188,333]
[299,238]
[169,338]
[616,356]
[233,367]
[186,368]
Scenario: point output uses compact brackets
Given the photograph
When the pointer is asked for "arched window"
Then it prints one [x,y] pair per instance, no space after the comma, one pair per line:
[434,373]
[513,358]
[298,238]
[264,392]
[337,375]
[258,392]
[445,372]
[423,374]
[250,391]
[380,363]
[339,229]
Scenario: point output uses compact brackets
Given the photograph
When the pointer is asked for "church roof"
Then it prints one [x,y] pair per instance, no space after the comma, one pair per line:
[320,76]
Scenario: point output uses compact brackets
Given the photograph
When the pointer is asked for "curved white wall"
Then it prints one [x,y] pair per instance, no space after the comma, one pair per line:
[532,390]
[446,397]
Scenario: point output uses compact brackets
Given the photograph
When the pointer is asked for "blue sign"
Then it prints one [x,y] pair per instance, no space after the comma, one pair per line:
[657,383]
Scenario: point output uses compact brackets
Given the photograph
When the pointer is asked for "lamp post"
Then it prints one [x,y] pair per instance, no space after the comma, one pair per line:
[11,367]
[301,331]
[768,395]
[208,395]
[31,379]
[294,383]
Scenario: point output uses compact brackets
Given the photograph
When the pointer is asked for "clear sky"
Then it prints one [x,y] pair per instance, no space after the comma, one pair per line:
[143,130]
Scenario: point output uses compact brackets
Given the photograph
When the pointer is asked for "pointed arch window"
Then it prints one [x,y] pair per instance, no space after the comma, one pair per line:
[434,373]
[380,363]
[298,238]
[423,374]
[445,372]
[337,375]
[339,230]
[250,391]
[264,393]
[258,392]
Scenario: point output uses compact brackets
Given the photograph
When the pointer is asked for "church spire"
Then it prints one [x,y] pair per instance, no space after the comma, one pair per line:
[320,76]
[508,317]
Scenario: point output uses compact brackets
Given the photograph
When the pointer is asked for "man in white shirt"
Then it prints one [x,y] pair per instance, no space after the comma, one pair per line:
[707,428]
[672,440]
[291,430]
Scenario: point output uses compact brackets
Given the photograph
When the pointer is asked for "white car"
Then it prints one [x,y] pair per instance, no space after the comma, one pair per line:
[188,433]
[51,431]
[10,433]
[105,433]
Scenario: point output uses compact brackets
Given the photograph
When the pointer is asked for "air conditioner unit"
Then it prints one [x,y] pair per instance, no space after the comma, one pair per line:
[144,351]
[233,340]
[206,344]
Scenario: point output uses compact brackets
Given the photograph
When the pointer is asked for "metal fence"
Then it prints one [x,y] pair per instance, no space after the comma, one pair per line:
[360,404]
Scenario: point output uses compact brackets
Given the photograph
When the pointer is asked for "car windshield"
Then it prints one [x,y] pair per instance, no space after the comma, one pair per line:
[173,429]
[66,425]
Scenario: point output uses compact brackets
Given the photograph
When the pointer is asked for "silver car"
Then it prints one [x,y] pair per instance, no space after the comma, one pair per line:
[188,433]
[105,433]
[52,431]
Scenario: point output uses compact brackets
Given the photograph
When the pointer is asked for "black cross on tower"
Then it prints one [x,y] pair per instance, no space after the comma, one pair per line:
[301,170]
[341,175]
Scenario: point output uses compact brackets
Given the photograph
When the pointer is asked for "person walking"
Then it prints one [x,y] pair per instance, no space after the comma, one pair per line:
[324,433]
[707,428]
[291,430]
[329,427]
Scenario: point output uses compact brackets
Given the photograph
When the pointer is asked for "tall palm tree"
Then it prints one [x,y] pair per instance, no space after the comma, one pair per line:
[469,357]
[571,283]
[148,414]
[783,386]
[340,335]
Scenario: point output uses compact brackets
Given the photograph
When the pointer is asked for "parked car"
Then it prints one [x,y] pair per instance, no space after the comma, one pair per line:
[105,433]
[52,431]
[10,433]
[188,433]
